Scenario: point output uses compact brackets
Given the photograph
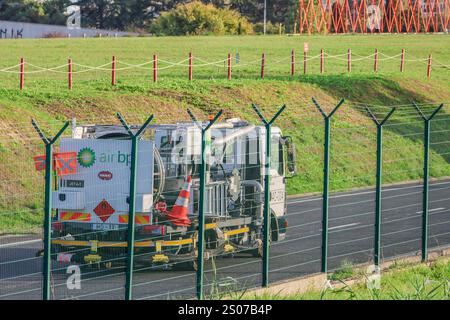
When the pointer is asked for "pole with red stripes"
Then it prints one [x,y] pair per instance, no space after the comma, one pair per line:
[429,66]
[263,65]
[70,73]
[155,68]
[349,60]
[402,61]
[113,71]
[229,67]
[22,73]
[292,62]
[190,66]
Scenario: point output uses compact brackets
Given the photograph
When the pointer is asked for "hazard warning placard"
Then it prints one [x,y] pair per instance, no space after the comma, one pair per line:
[104,210]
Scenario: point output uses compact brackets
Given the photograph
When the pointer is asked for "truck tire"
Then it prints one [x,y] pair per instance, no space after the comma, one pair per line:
[257,252]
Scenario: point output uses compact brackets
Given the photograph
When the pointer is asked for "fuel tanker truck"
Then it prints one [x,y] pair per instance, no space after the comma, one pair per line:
[91,199]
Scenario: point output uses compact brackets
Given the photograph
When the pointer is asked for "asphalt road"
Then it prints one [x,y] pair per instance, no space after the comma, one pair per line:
[351,238]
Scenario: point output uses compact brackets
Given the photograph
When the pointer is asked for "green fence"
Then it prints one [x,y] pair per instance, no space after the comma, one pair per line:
[381,116]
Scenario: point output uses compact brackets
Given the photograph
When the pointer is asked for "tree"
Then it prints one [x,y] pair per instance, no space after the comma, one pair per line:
[55,11]
[96,13]
[196,18]
[21,10]
[137,14]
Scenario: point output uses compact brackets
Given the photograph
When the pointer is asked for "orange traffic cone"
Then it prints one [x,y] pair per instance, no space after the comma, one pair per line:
[179,214]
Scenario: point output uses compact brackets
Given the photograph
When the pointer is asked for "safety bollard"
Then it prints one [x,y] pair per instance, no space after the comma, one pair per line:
[155,68]
[322,62]
[292,63]
[263,65]
[22,73]
[429,66]
[113,71]
[375,62]
[402,61]
[349,60]
[69,73]
[229,75]
[190,66]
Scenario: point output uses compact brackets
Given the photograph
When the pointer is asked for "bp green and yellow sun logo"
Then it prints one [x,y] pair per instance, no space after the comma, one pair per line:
[86,157]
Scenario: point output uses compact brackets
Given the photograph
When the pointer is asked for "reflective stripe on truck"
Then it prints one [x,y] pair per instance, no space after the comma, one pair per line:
[75,216]
[139,219]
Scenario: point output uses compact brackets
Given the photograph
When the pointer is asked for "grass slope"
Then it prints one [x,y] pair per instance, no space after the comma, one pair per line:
[401,282]
[136,96]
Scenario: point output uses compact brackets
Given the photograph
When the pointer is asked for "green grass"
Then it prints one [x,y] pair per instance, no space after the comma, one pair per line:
[92,100]
[345,271]
[419,282]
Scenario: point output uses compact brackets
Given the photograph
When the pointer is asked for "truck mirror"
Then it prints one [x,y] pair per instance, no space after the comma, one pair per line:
[291,163]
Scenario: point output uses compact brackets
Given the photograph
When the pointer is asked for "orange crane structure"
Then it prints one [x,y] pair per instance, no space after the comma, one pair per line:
[373,16]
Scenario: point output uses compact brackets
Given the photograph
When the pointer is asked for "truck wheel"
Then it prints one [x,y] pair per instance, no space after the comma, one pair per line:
[257,251]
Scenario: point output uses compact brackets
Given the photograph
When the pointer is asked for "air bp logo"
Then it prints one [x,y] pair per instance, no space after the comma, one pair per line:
[86,157]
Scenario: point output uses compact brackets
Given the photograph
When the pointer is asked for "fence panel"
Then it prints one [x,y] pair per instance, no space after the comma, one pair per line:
[92,262]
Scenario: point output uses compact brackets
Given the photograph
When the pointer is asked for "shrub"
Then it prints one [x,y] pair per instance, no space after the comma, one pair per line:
[271,28]
[54,35]
[196,18]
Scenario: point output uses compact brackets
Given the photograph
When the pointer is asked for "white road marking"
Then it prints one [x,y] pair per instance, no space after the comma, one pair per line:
[319,197]
[344,226]
[431,210]
[12,244]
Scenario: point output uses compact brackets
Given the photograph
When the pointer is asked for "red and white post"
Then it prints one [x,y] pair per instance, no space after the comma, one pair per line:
[349,60]
[22,73]
[292,63]
[113,71]
[69,73]
[375,62]
[155,68]
[429,66]
[322,62]
[263,65]
[190,66]
[402,61]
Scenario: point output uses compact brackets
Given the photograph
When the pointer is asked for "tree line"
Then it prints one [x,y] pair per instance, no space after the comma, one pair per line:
[136,15]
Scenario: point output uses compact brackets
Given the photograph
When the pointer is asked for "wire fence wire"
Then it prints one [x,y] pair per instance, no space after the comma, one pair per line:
[351,213]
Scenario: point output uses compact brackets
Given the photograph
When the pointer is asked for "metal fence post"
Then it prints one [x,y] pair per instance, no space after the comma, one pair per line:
[326,179]
[132,202]
[266,224]
[426,176]
[377,253]
[202,203]
[48,204]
